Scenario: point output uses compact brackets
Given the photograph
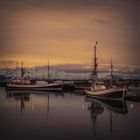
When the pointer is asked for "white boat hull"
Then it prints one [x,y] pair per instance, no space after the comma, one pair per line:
[109,94]
[47,87]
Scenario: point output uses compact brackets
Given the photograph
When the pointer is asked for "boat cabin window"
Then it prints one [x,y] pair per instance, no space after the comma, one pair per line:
[99,83]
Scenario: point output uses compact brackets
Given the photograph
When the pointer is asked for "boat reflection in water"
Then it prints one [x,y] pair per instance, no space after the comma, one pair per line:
[70,115]
[22,97]
[26,96]
[98,107]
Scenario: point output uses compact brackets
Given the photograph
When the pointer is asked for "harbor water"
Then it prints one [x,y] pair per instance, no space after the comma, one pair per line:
[66,116]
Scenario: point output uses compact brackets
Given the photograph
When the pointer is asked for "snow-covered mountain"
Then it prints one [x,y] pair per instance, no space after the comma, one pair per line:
[72,71]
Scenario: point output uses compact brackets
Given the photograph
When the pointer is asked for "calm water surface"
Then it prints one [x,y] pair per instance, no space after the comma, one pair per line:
[66,116]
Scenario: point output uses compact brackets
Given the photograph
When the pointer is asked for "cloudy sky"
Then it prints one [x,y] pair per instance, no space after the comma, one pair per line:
[65,31]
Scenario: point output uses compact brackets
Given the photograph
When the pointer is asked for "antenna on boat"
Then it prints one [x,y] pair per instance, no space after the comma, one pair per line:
[48,71]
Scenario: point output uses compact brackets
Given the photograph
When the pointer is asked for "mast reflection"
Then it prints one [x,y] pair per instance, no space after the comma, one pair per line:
[23,97]
[97,107]
[19,96]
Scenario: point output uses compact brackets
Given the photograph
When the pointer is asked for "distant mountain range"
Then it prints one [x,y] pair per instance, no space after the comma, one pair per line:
[71,71]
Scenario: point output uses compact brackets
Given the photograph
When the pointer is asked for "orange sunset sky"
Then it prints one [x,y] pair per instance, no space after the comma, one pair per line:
[66,31]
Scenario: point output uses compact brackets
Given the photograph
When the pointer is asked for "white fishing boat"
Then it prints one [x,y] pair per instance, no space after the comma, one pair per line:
[39,85]
[25,84]
[99,90]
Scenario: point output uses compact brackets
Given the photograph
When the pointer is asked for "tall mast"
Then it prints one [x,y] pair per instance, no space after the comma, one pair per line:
[16,70]
[48,71]
[94,71]
[95,60]
[22,71]
[111,72]
[111,69]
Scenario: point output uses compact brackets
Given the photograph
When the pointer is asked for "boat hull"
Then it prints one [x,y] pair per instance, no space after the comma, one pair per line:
[109,94]
[49,87]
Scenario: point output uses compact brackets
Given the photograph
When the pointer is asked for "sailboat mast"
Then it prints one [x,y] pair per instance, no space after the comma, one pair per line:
[16,70]
[111,69]
[94,71]
[22,72]
[95,60]
[111,72]
[48,71]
